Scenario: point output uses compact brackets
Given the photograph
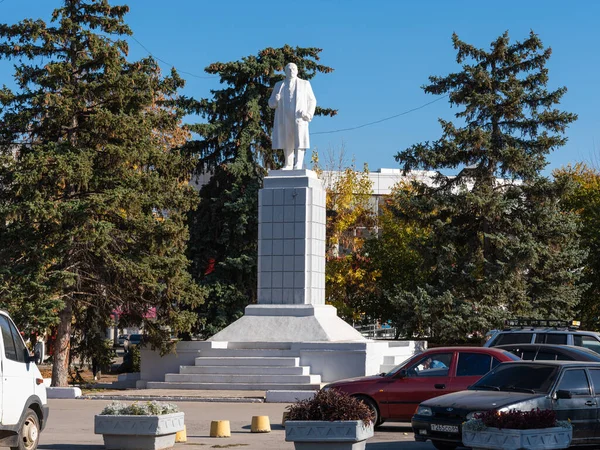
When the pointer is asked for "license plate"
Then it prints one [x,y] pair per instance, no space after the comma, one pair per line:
[444,428]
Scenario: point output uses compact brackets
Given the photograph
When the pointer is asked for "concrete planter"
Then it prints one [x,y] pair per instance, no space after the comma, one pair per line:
[322,435]
[504,439]
[139,432]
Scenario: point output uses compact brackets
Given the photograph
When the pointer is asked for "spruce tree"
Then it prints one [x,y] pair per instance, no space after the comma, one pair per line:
[500,243]
[93,197]
[234,148]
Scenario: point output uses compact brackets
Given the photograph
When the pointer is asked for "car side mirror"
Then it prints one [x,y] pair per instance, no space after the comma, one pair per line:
[402,373]
[561,393]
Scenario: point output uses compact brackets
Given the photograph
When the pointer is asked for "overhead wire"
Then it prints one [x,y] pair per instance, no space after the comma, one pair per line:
[317,132]
[314,133]
[168,63]
[382,120]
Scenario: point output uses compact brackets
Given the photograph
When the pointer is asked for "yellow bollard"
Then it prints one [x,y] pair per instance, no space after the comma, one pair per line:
[260,424]
[220,428]
[284,418]
[181,436]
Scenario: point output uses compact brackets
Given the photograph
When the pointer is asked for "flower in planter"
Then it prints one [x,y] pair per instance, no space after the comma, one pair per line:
[330,405]
[516,420]
[140,425]
[152,408]
[331,418]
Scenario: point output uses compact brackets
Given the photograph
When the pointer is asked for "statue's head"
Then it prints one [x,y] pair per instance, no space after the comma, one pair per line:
[291,70]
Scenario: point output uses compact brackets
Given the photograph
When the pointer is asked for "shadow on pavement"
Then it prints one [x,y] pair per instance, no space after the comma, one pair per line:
[70,447]
[394,445]
[273,427]
[400,427]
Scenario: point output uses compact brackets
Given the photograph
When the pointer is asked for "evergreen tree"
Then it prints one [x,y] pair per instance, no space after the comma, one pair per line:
[500,245]
[235,150]
[93,199]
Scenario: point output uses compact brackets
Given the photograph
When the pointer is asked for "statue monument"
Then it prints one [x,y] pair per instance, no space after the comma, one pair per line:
[290,340]
[294,104]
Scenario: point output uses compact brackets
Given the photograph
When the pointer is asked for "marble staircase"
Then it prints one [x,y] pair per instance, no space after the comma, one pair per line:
[244,366]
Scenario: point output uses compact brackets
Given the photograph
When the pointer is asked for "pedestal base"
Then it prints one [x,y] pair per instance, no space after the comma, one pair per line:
[289,323]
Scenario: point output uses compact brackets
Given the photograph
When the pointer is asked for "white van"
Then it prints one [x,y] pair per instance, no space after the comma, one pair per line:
[23,401]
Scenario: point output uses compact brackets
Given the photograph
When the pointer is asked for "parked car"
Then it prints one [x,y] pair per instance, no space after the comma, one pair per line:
[546,352]
[561,334]
[396,394]
[570,388]
[121,340]
[133,339]
[23,402]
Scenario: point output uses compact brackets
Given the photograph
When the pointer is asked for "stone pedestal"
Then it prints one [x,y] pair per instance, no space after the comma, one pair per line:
[291,239]
[291,267]
[291,340]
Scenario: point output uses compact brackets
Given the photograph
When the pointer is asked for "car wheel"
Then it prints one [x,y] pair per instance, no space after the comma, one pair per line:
[439,445]
[373,407]
[29,432]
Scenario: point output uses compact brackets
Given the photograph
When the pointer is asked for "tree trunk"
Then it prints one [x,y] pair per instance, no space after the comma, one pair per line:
[62,346]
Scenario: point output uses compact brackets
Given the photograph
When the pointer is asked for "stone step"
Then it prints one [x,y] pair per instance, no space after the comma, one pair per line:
[257,370]
[247,361]
[241,378]
[249,352]
[233,386]
[261,345]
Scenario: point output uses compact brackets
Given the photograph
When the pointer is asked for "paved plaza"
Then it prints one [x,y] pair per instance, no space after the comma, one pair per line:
[71,427]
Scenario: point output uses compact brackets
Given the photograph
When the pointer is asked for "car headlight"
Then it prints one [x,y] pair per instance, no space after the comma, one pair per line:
[424,411]
[471,415]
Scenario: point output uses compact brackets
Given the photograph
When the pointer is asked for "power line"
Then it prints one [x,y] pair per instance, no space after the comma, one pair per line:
[165,62]
[382,120]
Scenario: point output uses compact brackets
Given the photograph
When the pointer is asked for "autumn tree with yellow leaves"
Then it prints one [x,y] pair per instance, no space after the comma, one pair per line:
[351,219]
[584,199]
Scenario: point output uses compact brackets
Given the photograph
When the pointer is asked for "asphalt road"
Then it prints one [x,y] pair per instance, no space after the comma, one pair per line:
[71,427]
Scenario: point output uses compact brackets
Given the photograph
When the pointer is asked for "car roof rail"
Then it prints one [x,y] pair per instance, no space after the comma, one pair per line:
[523,322]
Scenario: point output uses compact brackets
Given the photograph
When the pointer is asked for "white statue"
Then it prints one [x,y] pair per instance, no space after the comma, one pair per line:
[294,104]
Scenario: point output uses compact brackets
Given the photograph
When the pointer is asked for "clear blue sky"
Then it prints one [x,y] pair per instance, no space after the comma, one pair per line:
[382,52]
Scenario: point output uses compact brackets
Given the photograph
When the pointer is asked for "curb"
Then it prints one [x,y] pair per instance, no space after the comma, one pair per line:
[175,398]
[63,392]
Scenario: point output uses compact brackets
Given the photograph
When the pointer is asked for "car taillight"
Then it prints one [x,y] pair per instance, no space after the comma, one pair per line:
[39,381]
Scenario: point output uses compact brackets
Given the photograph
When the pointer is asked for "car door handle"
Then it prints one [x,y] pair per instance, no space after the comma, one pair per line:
[439,386]
[590,403]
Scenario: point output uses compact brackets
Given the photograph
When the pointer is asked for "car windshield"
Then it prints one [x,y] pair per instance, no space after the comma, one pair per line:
[534,378]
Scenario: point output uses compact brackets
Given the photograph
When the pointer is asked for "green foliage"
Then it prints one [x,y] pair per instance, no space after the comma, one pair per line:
[350,217]
[152,408]
[584,200]
[235,149]
[93,199]
[499,243]
[330,405]
[394,260]
[132,359]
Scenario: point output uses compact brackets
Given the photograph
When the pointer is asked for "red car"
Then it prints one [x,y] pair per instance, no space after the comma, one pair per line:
[437,371]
